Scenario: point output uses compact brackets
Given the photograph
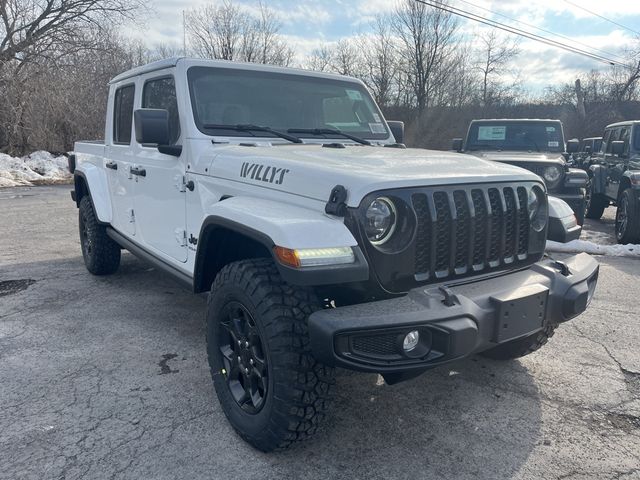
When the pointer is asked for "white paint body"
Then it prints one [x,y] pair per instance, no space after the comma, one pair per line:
[158,214]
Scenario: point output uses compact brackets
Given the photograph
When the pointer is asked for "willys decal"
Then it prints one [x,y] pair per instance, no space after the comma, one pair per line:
[263,173]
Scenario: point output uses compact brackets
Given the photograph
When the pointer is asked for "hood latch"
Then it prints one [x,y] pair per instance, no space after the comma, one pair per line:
[336,204]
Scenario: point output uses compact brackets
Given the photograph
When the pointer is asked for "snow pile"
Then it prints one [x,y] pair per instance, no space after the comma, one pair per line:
[39,168]
[579,246]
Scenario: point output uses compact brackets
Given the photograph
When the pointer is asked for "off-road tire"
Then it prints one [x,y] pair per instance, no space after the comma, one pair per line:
[595,203]
[299,387]
[101,254]
[522,346]
[628,217]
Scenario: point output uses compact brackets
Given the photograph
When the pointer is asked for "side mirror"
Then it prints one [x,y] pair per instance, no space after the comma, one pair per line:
[573,146]
[397,129]
[617,147]
[456,145]
[152,126]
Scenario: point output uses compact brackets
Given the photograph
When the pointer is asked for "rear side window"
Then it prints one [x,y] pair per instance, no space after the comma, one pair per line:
[612,137]
[625,136]
[161,93]
[123,114]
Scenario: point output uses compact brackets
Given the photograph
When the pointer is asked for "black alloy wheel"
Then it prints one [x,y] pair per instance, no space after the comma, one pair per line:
[246,369]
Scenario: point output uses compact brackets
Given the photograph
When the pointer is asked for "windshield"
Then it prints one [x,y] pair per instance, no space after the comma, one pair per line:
[225,96]
[533,136]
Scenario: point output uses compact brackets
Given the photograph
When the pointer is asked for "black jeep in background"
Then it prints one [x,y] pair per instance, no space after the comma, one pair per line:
[538,146]
[615,179]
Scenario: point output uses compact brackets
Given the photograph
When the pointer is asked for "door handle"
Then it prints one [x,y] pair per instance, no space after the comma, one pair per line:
[140,172]
[112,165]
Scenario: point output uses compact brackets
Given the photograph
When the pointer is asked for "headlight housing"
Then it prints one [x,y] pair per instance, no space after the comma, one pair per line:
[380,220]
[538,209]
[552,175]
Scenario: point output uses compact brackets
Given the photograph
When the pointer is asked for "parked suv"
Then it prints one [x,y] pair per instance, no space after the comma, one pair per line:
[538,146]
[322,242]
[615,179]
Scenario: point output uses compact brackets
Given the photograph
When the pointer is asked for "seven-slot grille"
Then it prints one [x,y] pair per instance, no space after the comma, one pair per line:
[477,229]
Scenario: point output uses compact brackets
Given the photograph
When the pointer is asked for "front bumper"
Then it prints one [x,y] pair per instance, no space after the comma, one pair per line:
[575,200]
[454,321]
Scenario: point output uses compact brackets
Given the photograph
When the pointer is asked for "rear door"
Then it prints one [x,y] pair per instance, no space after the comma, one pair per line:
[616,165]
[160,199]
[120,156]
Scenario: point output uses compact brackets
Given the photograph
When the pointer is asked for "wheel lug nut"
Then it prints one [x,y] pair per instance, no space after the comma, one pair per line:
[246,370]
[246,344]
[239,360]
[251,361]
[239,343]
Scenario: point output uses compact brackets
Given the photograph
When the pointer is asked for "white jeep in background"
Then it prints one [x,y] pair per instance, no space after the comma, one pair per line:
[323,242]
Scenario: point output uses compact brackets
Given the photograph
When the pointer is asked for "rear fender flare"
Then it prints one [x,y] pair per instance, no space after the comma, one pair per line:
[97,188]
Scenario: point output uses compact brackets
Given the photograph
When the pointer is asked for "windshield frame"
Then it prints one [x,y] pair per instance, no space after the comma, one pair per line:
[302,77]
[511,148]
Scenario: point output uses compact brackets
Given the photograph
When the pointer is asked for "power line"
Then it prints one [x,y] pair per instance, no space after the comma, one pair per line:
[602,17]
[542,29]
[531,36]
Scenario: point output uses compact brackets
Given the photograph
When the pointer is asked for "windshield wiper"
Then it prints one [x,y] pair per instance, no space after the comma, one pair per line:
[329,131]
[253,128]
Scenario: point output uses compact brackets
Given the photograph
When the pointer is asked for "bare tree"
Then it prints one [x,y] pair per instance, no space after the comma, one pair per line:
[380,61]
[229,32]
[495,55]
[33,28]
[320,59]
[428,37]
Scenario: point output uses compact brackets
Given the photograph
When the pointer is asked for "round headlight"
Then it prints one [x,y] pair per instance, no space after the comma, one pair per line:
[381,219]
[552,174]
[538,209]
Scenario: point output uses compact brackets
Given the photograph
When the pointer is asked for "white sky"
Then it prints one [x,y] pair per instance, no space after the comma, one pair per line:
[307,24]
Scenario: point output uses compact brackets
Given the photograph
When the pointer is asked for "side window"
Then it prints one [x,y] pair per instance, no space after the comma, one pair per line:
[612,137]
[625,136]
[161,93]
[123,114]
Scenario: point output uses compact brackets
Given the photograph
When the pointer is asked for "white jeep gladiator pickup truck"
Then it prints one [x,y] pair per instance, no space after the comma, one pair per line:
[323,242]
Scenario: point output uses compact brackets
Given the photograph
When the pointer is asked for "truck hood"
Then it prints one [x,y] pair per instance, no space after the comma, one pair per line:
[515,157]
[313,170]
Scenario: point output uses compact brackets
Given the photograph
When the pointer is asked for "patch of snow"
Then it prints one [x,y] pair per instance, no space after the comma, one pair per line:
[39,168]
[579,246]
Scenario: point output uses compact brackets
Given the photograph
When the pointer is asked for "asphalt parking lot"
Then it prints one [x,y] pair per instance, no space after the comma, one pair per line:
[107,378]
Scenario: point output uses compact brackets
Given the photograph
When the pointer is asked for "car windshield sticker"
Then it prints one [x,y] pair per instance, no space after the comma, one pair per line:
[377,128]
[551,129]
[492,133]
[354,95]
[376,117]
[554,144]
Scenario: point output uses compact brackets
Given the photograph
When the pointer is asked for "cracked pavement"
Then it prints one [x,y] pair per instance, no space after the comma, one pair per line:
[106,378]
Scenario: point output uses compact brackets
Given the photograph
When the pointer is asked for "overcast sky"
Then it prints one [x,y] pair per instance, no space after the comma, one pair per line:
[308,24]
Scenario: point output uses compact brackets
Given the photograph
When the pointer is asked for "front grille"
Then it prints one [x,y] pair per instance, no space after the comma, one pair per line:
[473,230]
[378,345]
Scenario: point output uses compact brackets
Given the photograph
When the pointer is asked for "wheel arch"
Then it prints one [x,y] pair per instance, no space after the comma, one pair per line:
[92,182]
[223,241]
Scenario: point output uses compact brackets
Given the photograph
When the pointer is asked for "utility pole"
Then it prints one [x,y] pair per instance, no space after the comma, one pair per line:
[184,34]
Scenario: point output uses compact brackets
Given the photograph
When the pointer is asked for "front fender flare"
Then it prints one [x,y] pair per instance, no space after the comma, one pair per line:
[271,223]
[598,178]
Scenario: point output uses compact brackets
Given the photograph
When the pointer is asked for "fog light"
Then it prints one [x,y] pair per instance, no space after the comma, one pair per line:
[410,341]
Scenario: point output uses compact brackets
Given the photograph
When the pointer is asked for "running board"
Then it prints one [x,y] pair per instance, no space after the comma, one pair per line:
[147,257]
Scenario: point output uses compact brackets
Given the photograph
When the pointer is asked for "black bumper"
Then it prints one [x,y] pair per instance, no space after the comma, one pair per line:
[453,322]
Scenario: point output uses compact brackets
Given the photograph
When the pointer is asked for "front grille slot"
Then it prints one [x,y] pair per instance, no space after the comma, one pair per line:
[479,229]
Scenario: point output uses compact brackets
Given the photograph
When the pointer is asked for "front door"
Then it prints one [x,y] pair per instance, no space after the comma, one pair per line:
[160,198]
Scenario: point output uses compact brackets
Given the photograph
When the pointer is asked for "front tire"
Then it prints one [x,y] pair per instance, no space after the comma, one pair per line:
[595,203]
[273,392]
[522,346]
[628,217]
[101,254]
